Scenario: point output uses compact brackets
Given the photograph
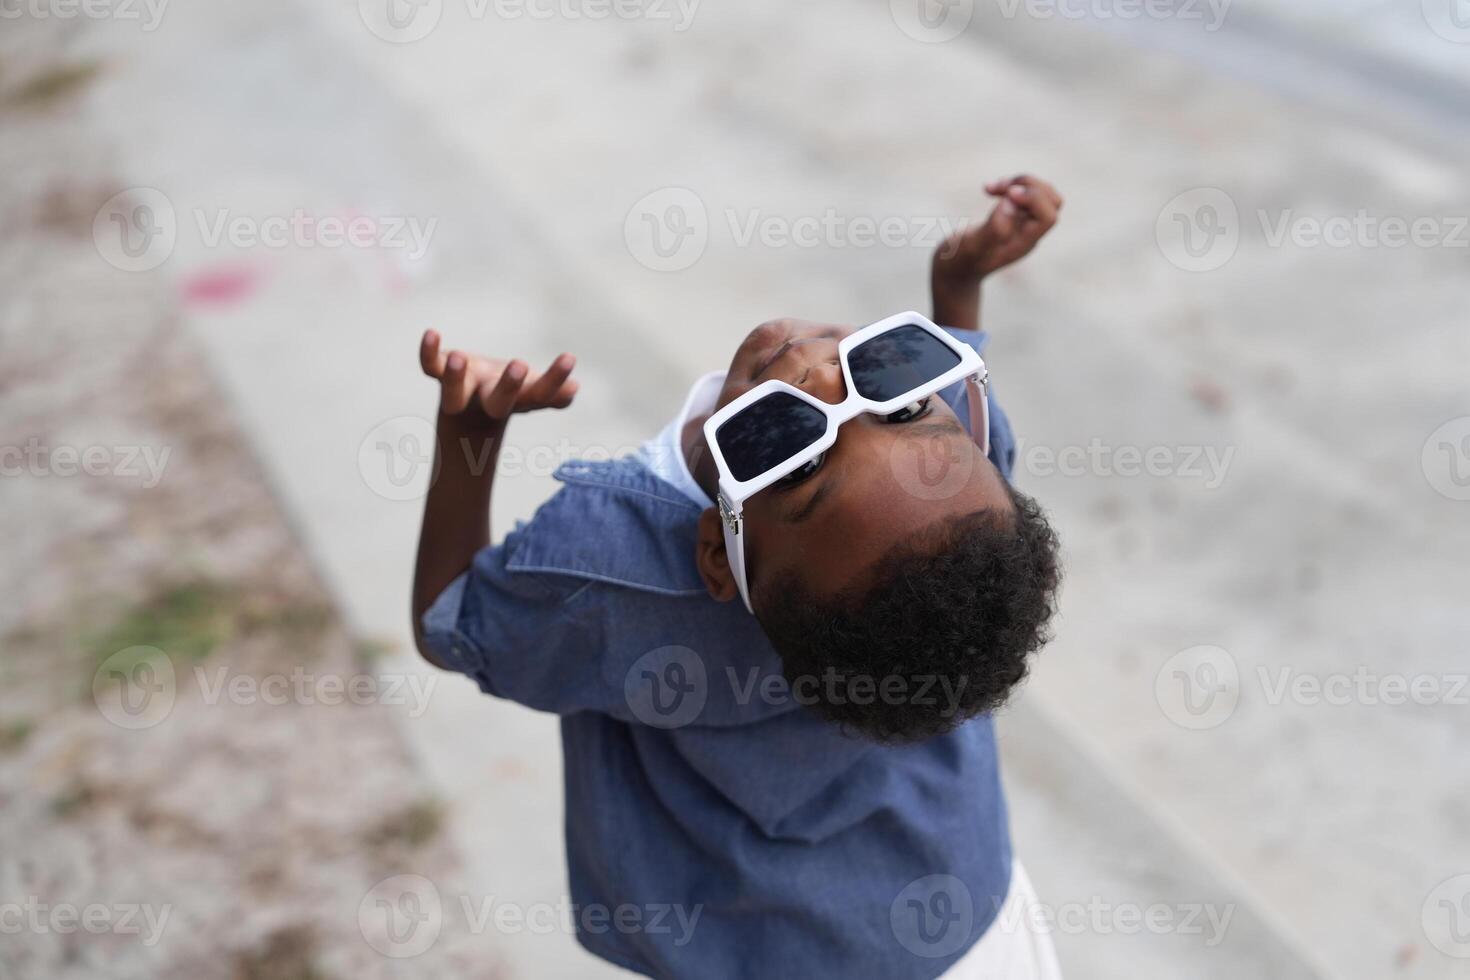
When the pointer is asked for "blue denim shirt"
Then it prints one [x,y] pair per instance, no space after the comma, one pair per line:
[750,837]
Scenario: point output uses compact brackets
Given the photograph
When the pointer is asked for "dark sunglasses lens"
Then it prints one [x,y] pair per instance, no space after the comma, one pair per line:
[898,361]
[772,430]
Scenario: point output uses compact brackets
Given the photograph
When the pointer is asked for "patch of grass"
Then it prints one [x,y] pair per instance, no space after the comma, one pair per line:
[189,620]
[52,85]
[185,621]
[13,734]
[370,650]
[75,798]
[415,825]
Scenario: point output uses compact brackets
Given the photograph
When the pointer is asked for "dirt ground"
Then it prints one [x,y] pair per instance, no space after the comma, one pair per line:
[235,826]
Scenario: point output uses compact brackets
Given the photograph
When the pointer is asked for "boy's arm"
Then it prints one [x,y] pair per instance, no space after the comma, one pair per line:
[1026,211]
[477,396]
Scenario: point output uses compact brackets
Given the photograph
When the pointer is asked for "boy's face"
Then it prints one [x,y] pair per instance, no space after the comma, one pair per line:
[884,481]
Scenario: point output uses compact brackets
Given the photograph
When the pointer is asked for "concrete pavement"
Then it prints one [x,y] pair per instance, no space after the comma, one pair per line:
[574,167]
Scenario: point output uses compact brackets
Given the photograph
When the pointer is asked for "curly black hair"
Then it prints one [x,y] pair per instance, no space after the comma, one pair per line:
[943,635]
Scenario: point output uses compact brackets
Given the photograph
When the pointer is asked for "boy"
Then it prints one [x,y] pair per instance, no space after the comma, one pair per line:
[812,784]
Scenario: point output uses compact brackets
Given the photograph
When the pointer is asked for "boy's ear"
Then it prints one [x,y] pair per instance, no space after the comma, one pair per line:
[713,562]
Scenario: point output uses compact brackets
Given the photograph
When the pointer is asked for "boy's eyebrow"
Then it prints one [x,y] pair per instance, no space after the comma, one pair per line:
[933,427]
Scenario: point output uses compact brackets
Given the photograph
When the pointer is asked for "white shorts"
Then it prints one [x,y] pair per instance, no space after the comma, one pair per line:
[1012,948]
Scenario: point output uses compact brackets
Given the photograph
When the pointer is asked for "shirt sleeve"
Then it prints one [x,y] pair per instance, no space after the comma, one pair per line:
[518,635]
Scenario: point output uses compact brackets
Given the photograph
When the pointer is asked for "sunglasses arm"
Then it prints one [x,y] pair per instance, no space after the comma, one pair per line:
[730,516]
[978,386]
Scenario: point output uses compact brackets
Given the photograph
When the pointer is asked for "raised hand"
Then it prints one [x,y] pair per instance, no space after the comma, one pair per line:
[482,392]
[1027,209]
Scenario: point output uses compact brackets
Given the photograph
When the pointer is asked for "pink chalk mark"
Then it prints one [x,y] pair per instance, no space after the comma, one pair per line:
[228,285]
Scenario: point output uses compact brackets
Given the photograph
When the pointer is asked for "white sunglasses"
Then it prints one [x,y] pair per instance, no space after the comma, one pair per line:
[774,429]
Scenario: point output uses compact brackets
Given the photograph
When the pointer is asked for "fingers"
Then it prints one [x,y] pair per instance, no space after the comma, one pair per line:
[499,400]
[430,359]
[567,393]
[1027,204]
[455,387]
[1003,218]
[1036,196]
[1038,202]
[548,390]
[1025,189]
[465,380]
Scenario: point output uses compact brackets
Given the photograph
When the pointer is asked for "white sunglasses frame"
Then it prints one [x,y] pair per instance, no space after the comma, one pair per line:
[734,493]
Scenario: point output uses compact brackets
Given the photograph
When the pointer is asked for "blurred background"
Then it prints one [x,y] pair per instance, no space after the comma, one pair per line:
[1237,368]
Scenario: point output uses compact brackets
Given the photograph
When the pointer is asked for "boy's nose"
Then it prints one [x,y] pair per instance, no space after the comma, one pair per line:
[824,381]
